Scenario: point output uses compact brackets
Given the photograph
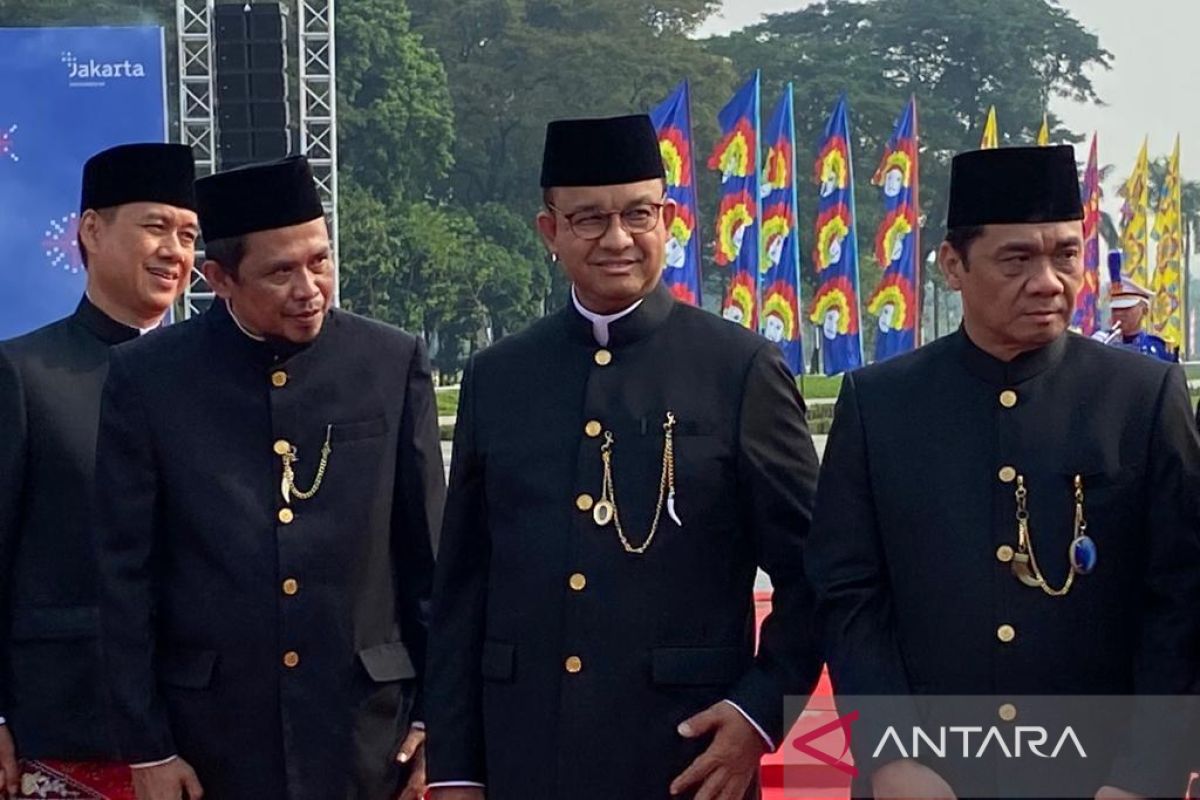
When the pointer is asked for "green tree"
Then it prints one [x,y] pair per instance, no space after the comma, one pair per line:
[396,127]
[14,13]
[515,64]
[371,257]
[516,290]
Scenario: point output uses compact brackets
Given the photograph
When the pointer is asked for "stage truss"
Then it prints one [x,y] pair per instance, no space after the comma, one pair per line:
[317,98]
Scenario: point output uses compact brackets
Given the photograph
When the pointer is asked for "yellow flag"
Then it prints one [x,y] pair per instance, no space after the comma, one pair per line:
[991,134]
[1134,213]
[1167,311]
[1044,132]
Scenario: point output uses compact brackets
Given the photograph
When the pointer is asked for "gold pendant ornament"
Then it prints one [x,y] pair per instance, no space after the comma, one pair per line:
[602,513]
[287,483]
[1081,553]
[605,510]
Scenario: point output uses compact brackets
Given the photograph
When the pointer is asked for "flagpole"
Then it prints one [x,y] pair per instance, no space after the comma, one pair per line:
[795,232]
[918,257]
[696,226]
[758,213]
[854,223]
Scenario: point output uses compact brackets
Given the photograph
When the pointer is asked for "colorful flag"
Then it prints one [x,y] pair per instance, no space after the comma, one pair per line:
[736,157]
[894,303]
[673,121]
[1043,137]
[991,132]
[1087,303]
[1167,309]
[835,254]
[1134,212]
[780,258]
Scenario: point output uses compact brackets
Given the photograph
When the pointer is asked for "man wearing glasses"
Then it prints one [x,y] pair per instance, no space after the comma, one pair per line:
[621,470]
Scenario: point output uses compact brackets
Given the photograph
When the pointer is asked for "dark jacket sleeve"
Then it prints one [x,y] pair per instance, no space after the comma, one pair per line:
[776,484]
[1167,660]
[14,435]
[454,688]
[417,509]
[126,525]
[845,561]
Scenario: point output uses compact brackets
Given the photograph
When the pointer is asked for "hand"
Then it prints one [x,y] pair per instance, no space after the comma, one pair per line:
[412,751]
[905,778]
[174,780]
[457,793]
[10,773]
[726,769]
[1113,793]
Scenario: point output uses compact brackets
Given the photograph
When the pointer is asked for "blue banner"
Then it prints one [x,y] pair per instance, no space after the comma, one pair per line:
[835,252]
[780,259]
[67,93]
[673,121]
[736,157]
[894,303]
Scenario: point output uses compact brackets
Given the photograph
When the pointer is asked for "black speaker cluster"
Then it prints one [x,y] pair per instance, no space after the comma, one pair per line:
[250,83]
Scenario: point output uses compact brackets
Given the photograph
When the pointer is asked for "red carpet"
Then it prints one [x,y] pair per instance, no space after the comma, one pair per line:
[773,764]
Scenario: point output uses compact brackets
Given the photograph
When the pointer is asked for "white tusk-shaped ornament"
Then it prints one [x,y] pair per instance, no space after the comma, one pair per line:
[671,509]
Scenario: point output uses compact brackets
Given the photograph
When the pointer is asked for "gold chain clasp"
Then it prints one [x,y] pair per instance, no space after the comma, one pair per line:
[605,509]
[288,482]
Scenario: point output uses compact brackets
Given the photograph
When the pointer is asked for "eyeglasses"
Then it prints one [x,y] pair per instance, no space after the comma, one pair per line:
[592,224]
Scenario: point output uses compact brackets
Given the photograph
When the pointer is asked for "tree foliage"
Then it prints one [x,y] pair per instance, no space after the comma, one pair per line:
[515,64]
[443,107]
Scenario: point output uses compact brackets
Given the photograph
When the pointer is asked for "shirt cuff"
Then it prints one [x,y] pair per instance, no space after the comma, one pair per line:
[147,764]
[452,784]
[757,727]
[417,726]
[3,721]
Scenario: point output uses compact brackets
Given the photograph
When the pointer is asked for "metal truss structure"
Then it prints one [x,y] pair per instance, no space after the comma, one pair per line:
[197,114]
[317,98]
[318,105]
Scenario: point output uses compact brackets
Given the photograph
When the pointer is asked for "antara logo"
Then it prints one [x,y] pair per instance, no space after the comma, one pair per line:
[90,72]
[1032,738]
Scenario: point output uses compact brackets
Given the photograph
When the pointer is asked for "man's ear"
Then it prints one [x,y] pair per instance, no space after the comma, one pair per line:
[216,276]
[547,226]
[669,212]
[951,265]
[91,229]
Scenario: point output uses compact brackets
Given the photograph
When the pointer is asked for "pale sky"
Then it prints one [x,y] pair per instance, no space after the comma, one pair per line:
[1153,87]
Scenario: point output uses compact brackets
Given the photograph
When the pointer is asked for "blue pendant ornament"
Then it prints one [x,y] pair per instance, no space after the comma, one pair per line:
[1083,555]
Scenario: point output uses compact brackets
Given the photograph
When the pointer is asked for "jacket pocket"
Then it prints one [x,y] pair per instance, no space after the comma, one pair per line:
[349,431]
[499,661]
[697,666]
[63,622]
[186,668]
[1101,476]
[387,662]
